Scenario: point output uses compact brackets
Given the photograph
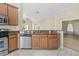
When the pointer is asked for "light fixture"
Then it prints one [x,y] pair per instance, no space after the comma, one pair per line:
[37,11]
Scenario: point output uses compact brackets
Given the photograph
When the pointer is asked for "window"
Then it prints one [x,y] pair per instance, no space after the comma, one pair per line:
[70,28]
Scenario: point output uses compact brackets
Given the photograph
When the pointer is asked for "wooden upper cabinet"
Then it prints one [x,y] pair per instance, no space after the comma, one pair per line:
[52,42]
[11,12]
[3,9]
[43,41]
[35,41]
[13,15]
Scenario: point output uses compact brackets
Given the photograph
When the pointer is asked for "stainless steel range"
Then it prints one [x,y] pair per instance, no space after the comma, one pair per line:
[3,42]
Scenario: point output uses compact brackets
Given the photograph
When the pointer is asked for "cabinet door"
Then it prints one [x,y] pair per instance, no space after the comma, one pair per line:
[12,42]
[13,15]
[52,42]
[3,9]
[15,42]
[35,42]
[43,41]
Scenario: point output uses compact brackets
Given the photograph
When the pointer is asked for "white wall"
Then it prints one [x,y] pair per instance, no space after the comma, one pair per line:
[47,23]
[55,22]
[69,14]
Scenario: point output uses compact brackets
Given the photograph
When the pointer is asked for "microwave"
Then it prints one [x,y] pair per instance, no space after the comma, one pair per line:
[3,19]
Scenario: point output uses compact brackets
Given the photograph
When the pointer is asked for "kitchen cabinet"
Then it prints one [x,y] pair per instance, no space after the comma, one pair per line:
[13,42]
[11,12]
[13,15]
[43,41]
[35,42]
[3,9]
[53,41]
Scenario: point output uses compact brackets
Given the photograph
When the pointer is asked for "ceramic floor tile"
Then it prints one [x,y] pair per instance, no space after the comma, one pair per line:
[59,52]
[75,53]
[64,52]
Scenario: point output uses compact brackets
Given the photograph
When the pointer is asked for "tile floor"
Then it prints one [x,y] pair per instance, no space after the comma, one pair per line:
[59,52]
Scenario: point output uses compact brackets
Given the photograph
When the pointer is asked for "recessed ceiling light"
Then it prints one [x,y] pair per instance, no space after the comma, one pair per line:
[37,11]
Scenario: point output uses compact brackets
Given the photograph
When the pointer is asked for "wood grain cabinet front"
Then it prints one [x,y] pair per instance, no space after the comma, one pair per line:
[13,15]
[3,9]
[52,41]
[12,42]
[11,12]
[35,42]
[43,41]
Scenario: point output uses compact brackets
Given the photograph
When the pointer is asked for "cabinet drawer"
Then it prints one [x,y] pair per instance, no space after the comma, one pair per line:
[12,36]
[52,36]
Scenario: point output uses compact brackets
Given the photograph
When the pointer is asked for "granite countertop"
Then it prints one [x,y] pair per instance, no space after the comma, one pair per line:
[13,32]
[41,32]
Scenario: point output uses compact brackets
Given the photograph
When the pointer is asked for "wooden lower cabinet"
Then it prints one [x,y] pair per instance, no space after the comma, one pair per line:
[12,42]
[45,41]
[35,41]
[52,42]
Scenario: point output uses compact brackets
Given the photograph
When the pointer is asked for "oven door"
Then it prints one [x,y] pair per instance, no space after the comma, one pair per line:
[3,44]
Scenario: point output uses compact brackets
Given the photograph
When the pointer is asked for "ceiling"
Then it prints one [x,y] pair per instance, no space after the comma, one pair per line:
[37,11]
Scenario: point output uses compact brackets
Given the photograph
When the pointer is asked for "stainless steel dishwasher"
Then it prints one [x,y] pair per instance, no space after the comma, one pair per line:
[25,41]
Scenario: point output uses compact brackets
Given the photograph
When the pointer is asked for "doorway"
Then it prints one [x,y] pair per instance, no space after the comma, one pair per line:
[71,36]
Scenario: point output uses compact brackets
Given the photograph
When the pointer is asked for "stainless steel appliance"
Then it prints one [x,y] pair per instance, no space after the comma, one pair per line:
[25,40]
[3,19]
[3,42]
